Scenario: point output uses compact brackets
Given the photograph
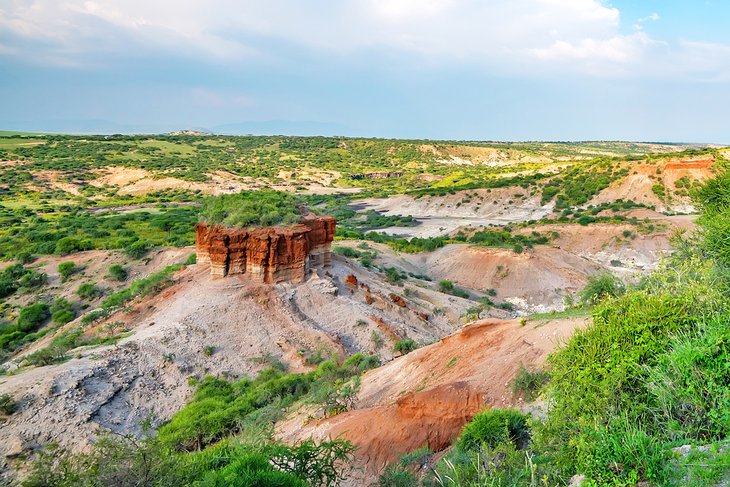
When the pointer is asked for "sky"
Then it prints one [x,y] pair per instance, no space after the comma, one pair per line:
[644,70]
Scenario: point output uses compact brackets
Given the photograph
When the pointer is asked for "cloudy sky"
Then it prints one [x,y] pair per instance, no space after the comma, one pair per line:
[654,70]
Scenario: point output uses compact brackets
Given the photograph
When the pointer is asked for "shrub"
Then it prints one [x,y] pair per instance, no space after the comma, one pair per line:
[208,350]
[395,476]
[493,427]
[528,384]
[63,316]
[66,269]
[137,249]
[622,454]
[714,198]
[407,345]
[252,208]
[25,258]
[32,316]
[88,291]
[68,245]
[446,286]
[117,272]
[689,384]
[46,356]
[377,339]
[7,404]
[600,287]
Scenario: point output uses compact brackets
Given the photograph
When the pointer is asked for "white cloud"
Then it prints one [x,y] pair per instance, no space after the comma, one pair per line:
[503,35]
[653,17]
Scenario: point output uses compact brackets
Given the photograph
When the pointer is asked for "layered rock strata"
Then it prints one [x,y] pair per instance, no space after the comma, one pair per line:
[271,254]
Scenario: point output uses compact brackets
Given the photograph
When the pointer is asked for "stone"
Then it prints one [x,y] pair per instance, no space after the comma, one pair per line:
[15,447]
[577,480]
[270,254]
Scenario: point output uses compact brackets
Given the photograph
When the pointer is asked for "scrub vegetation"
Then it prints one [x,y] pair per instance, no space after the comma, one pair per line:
[650,374]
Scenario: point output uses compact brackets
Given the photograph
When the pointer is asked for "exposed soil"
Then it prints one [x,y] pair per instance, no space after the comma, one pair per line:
[116,387]
[440,215]
[637,186]
[425,398]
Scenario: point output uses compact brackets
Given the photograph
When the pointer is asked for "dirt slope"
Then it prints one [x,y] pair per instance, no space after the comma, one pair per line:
[442,214]
[637,186]
[425,398]
[116,387]
[535,280]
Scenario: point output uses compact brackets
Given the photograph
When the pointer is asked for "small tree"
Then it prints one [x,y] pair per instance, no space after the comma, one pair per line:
[32,316]
[117,272]
[66,269]
[600,287]
[405,346]
[88,291]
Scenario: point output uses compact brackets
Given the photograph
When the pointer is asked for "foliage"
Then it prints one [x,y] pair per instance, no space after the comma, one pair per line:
[16,278]
[220,408]
[601,286]
[714,198]
[89,291]
[528,384]
[32,316]
[252,208]
[493,427]
[448,287]
[117,272]
[404,346]
[66,269]
[7,404]
[621,454]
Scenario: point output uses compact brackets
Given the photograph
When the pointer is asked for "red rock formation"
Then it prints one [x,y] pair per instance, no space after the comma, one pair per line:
[271,254]
[351,280]
[398,300]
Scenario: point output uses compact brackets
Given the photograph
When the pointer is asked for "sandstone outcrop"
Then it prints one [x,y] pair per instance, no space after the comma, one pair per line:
[270,254]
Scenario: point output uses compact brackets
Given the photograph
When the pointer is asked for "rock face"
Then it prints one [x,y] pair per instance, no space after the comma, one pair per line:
[271,254]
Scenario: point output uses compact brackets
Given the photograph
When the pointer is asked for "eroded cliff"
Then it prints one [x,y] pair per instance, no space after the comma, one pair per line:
[270,254]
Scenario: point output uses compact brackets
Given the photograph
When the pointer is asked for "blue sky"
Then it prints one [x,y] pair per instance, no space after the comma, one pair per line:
[655,70]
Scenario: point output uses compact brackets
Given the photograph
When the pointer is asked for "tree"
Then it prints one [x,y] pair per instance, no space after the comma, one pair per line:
[32,316]
[66,269]
[117,272]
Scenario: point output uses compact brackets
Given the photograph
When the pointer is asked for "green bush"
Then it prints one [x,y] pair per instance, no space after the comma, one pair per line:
[252,208]
[690,384]
[528,384]
[88,291]
[117,272]
[622,454]
[714,198]
[446,286]
[68,245]
[600,287]
[7,404]
[407,345]
[63,316]
[395,476]
[494,427]
[138,249]
[33,316]
[66,269]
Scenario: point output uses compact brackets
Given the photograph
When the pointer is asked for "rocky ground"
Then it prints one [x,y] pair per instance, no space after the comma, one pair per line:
[227,327]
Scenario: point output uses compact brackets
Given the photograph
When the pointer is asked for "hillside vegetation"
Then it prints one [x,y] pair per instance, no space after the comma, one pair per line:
[651,374]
